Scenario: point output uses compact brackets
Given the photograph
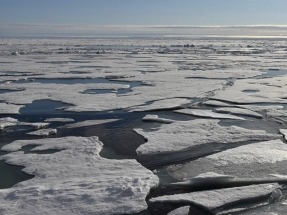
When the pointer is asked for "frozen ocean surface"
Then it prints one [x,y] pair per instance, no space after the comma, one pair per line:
[143,125]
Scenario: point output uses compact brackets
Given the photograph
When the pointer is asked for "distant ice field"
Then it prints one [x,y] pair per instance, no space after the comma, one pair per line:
[143,123]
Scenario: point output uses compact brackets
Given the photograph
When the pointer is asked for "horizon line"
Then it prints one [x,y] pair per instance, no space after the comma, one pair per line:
[139,26]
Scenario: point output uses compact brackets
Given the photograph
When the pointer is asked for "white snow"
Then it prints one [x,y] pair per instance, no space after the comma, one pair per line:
[75,180]
[215,200]
[44,132]
[210,175]
[180,211]
[256,160]
[155,118]
[7,122]
[162,105]
[89,123]
[36,125]
[180,136]
[59,120]
[207,114]
[9,108]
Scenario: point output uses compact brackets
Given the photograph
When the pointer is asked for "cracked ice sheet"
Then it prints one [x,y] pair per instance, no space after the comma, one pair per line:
[75,180]
[224,74]
[72,94]
[180,136]
[257,160]
[216,200]
[270,90]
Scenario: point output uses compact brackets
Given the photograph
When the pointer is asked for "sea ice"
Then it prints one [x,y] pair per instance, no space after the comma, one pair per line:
[9,108]
[257,160]
[183,135]
[59,120]
[166,104]
[180,211]
[75,180]
[7,122]
[207,114]
[44,132]
[89,123]
[217,200]
[155,118]
[239,111]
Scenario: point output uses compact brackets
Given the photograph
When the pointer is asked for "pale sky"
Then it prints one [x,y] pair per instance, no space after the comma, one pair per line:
[83,17]
[144,12]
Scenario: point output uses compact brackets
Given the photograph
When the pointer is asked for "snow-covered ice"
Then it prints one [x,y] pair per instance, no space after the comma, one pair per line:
[44,132]
[256,160]
[183,135]
[180,211]
[89,123]
[239,111]
[155,118]
[7,122]
[217,200]
[59,120]
[75,180]
[208,114]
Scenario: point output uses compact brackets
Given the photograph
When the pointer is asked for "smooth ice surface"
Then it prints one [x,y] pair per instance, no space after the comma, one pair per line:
[155,118]
[44,132]
[180,136]
[210,175]
[256,160]
[216,200]
[36,125]
[89,123]
[75,180]
[180,211]
[9,108]
[59,120]
[239,111]
[167,104]
[207,114]
[267,90]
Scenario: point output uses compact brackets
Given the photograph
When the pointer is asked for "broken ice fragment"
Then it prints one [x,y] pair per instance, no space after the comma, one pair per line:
[215,201]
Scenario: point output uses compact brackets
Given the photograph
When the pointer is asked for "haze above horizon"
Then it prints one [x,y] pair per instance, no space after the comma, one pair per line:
[40,16]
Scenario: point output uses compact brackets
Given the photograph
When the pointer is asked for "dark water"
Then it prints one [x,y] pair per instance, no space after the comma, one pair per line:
[120,141]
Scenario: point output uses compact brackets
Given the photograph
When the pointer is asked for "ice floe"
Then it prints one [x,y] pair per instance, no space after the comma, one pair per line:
[9,108]
[44,132]
[89,123]
[75,180]
[59,120]
[257,160]
[155,118]
[180,211]
[7,122]
[240,112]
[207,114]
[215,201]
[183,135]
